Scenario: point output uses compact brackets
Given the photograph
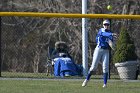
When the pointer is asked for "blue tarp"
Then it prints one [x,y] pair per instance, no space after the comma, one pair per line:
[64,66]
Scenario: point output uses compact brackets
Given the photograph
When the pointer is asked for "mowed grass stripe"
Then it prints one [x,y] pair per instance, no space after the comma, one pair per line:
[65,86]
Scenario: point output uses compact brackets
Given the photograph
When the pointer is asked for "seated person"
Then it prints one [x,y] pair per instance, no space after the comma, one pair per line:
[64,66]
[60,47]
[62,61]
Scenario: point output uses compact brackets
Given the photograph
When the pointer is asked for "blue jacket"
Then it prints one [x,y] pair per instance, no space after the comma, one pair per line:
[63,65]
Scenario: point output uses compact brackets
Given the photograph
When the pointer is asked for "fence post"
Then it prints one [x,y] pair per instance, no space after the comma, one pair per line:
[109,55]
[0,47]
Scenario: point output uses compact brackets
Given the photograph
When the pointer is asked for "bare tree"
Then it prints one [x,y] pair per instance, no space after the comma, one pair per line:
[24,39]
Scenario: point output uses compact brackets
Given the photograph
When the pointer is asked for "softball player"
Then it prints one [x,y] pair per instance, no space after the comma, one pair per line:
[104,40]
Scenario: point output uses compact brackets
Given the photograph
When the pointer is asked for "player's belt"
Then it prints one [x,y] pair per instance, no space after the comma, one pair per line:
[103,47]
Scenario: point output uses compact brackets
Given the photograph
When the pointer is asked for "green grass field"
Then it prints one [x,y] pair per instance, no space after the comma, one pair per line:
[67,86]
[43,75]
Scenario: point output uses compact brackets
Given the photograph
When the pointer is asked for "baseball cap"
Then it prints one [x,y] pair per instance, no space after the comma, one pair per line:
[106,22]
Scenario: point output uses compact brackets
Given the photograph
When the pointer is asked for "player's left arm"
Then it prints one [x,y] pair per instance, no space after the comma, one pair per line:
[111,42]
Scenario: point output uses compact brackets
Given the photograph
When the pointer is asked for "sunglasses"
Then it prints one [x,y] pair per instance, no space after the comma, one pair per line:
[106,24]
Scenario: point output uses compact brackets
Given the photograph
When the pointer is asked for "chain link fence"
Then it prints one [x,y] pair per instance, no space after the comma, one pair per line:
[26,42]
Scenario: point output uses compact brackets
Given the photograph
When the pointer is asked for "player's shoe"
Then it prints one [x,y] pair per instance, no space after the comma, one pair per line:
[85,83]
[104,86]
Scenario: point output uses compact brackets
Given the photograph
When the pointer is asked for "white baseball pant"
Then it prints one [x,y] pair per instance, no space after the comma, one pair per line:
[100,55]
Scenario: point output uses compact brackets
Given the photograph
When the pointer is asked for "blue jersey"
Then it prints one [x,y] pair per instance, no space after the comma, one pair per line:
[103,37]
